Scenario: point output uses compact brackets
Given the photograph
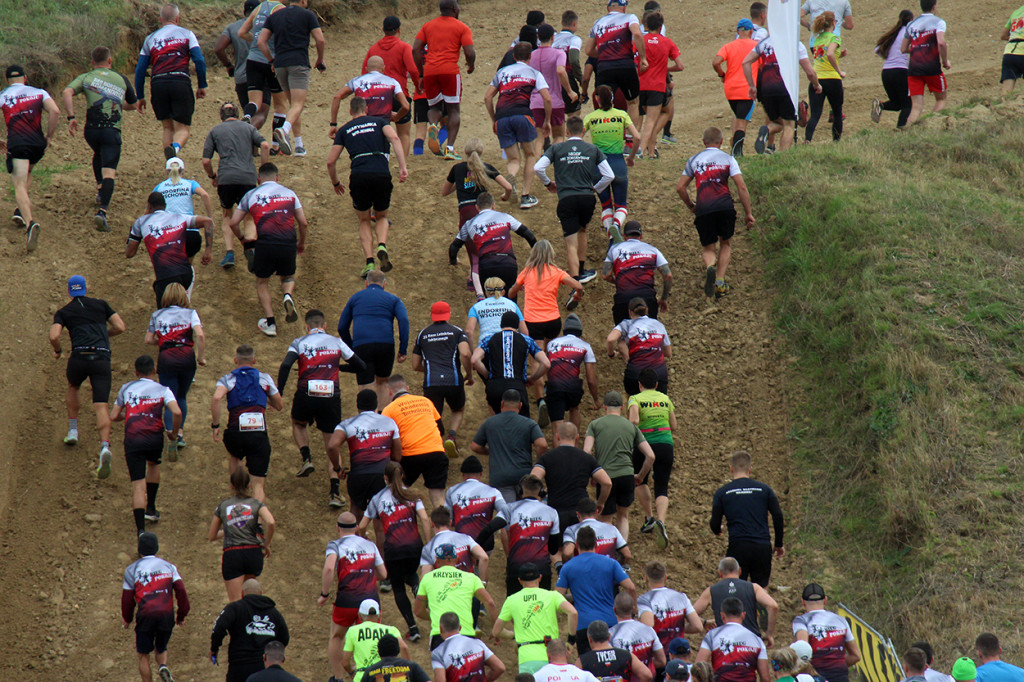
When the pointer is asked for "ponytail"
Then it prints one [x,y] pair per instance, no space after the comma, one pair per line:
[605,97]
[474,150]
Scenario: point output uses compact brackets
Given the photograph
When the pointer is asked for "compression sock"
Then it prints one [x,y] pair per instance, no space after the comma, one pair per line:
[97,168]
[279,120]
[667,130]
[581,267]
[369,261]
[620,216]
[140,519]
[335,486]
[106,192]
[73,424]
[304,451]
[151,489]
[737,142]
[250,110]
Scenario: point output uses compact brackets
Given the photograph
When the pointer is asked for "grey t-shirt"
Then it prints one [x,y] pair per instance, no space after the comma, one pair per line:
[240,518]
[575,163]
[233,141]
[509,437]
[241,48]
[840,8]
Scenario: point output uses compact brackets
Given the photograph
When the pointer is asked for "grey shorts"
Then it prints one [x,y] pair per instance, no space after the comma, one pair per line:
[293,77]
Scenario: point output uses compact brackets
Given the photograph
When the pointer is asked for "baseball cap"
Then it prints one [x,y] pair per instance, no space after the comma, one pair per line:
[392,23]
[369,607]
[15,71]
[964,670]
[472,465]
[76,286]
[445,551]
[803,650]
[620,3]
[174,160]
[440,312]
[744,25]
[613,399]
[814,592]
[680,646]
[529,571]
[677,670]
[632,227]
[572,324]
[148,544]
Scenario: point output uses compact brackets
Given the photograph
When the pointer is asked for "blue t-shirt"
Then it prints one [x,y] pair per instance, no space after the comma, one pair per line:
[999,671]
[488,314]
[178,196]
[592,579]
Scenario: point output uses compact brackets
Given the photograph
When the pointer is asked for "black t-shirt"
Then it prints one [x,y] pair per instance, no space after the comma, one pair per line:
[290,28]
[363,139]
[86,321]
[506,353]
[608,664]
[745,504]
[397,669]
[438,345]
[274,673]
[567,472]
[465,189]
[508,60]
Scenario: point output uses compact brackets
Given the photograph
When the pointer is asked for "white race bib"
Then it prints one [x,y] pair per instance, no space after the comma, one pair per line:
[320,388]
[251,421]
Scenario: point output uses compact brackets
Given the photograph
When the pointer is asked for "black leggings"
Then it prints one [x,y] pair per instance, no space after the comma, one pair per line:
[402,572]
[895,83]
[832,90]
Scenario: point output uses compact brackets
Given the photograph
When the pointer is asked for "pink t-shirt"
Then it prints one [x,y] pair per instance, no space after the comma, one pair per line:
[547,60]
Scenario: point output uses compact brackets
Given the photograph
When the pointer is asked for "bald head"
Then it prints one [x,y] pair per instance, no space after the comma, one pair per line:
[567,432]
[251,586]
[169,14]
[347,523]
[449,8]
[375,63]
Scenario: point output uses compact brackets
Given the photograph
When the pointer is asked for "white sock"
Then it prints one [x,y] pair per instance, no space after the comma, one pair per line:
[287,128]
[298,141]
[620,216]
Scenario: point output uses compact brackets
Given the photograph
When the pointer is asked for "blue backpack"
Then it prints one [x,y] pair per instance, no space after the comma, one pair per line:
[247,391]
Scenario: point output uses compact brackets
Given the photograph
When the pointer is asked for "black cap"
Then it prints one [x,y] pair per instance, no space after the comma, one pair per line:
[632,227]
[249,6]
[472,465]
[814,592]
[529,571]
[148,544]
[677,670]
[392,23]
[510,318]
[15,71]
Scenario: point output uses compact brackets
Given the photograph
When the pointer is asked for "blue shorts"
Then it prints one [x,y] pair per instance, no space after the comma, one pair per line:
[515,129]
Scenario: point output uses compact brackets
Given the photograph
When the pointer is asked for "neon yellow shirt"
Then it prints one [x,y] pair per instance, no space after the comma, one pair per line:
[361,641]
[819,53]
[534,615]
[449,589]
[608,128]
[654,407]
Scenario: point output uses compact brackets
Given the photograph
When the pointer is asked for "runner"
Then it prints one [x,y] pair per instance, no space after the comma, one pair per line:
[484,317]
[176,329]
[367,324]
[605,661]
[490,234]
[666,610]
[236,174]
[633,635]
[894,71]
[826,52]
[581,169]
[558,668]
[812,9]
[166,53]
[540,279]
[90,323]
[293,27]
[273,657]
[366,139]
[512,117]
[991,668]
[509,440]
[469,556]
[399,65]
[571,44]
[644,343]
[613,41]
[436,53]
[631,266]
[236,68]
[248,392]
[654,413]
[502,363]
[752,596]
[655,83]
[178,191]
[107,94]
[569,354]
[421,428]
[153,584]
[385,98]
[280,237]
[373,440]
[550,62]
[1013,61]
[459,658]
[438,352]
[533,614]
[610,542]
[759,17]
[831,639]
[360,651]
[399,526]
[140,404]
[714,211]
[247,528]
[318,391]
[773,95]
[735,653]
[446,588]
[607,126]
[925,42]
[252,621]
[391,668]
[262,85]
[472,503]
[735,83]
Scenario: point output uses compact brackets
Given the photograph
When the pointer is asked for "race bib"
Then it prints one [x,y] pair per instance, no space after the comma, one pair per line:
[320,388]
[251,421]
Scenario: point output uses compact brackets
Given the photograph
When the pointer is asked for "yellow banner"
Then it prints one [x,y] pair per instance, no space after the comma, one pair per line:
[879,662]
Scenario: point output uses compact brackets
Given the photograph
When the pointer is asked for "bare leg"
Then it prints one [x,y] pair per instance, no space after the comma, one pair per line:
[405,135]
[529,158]
[297,102]
[335,647]
[234,588]
[454,122]
[72,402]
[168,132]
[940,102]
[144,670]
[365,233]
[557,134]
[572,252]
[287,285]
[102,421]
[381,227]
[229,236]
[643,496]
[708,255]
[436,497]
[456,420]
[259,489]
[514,162]
[788,130]
[300,434]
[724,254]
[916,106]
[622,521]
[181,133]
[661,507]
[380,384]
[21,178]
[263,294]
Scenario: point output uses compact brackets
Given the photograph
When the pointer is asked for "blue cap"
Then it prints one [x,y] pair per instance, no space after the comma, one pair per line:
[744,25]
[679,646]
[445,552]
[76,286]
[620,3]
[677,670]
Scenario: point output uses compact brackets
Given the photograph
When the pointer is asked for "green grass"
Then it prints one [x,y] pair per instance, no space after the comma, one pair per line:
[896,263]
[43,174]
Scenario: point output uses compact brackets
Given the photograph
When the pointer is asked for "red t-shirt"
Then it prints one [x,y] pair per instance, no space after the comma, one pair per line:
[659,51]
[398,62]
[444,37]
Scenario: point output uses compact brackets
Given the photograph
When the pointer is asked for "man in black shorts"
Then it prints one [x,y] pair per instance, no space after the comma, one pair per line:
[438,352]
[612,42]
[233,140]
[373,441]
[248,392]
[90,323]
[236,68]
[501,363]
[773,95]
[366,139]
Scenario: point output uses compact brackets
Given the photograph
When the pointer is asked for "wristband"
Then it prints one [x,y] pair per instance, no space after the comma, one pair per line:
[334,124]
[325,595]
[337,183]
[71,118]
[212,177]
[214,426]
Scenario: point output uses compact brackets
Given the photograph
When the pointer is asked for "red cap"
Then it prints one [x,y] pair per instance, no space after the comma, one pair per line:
[440,312]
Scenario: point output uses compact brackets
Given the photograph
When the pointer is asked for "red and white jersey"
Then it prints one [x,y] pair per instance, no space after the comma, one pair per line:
[358,559]
[152,580]
[515,84]
[320,355]
[568,354]
[614,40]
[646,339]
[924,45]
[464,546]
[641,640]
[827,634]
[369,436]
[530,523]
[669,608]
[399,522]
[168,50]
[633,264]
[566,40]
[473,504]
[609,539]
[711,170]
[490,233]
[173,329]
[563,673]
[272,207]
[163,234]
[143,401]
[23,113]
[462,659]
[735,652]
[769,76]
[378,90]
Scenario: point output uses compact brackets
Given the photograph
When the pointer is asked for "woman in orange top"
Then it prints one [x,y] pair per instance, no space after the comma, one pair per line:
[539,280]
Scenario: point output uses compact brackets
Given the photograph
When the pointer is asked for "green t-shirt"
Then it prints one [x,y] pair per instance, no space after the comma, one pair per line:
[608,129]
[615,439]
[1016,27]
[534,615]
[449,589]
[105,91]
[819,52]
[361,641]
[654,407]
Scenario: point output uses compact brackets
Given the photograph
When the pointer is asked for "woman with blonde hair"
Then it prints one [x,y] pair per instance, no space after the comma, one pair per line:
[247,527]
[176,329]
[825,52]
[485,315]
[177,192]
[701,671]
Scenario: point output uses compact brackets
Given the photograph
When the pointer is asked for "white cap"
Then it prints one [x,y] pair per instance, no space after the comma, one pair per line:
[369,607]
[803,650]
[174,160]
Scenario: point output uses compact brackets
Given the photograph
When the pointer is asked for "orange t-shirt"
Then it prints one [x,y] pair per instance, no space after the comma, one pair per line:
[444,37]
[735,82]
[417,419]
[541,298]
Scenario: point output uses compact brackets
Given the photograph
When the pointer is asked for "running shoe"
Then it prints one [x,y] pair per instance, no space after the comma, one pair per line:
[33,236]
[451,449]
[367,269]
[290,315]
[573,302]
[669,139]
[275,150]
[103,470]
[335,501]
[413,635]
[722,289]
[417,147]
[72,437]
[17,218]
[770,149]
[527,201]
[515,189]
[876,111]
[384,585]
[451,155]
[100,221]
[283,141]
[299,151]
[228,261]
[615,232]
[384,258]
[543,419]
[169,152]
[247,118]
[587,276]
[266,328]
[306,469]
[802,110]
[762,140]
[432,142]
[165,674]
[153,515]
[558,566]
[661,536]
[709,280]
[181,442]
[832,116]
[648,526]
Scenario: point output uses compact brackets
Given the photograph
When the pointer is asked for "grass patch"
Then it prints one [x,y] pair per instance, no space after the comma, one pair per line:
[897,262]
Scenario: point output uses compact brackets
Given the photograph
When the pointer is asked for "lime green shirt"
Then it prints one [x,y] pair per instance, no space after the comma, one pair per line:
[654,407]
[819,52]
[534,615]
[361,642]
[608,128]
[1016,27]
[449,589]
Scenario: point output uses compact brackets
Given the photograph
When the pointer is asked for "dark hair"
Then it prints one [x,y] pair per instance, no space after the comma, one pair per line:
[512,395]
[522,51]
[484,200]
[597,631]
[156,200]
[449,621]
[927,5]
[884,43]
[648,378]
[655,570]
[366,400]
[245,351]
[144,365]
[441,516]
[569,17]
[623,604]
[574,126]
[545,32]
[240,481]
[274,651]
[924,646]
[314,315]
[914,659]
[100,54]
[510,318]
[388,646]
[586,539]
[652,6]
[605,97]
[524,677]
[268,170]
[757,10]
[654,22]
[586,507]
[393,475]
[534,17]
[228,110]
[732,607]
[987,645]
[531,484]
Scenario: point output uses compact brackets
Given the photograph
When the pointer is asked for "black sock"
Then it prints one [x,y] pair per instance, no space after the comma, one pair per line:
[304,451]
[668,128]
[737,142]
[151,489]
[335,486]
[380,244]
[279,120]
[140,519]
[369,260]
[250,109]
[271,320]
[106,191]
[581,267]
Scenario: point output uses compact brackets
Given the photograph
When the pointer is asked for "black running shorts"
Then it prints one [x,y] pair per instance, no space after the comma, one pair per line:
[160,285]
[231,195]
[260,77]
[455,396]
[30,152]
[652,98]
[137,462]
[741,108]
[715,225]
[362,487]
[379,359]
[663,458]
[561,402]
[631,378]
[239,561]
[575,212]
[626,79]
[92,366]
[1013,67]
[274,259]
[433,466]
[620,305]
[623,492]
[778,108]
[325,412]
[147,641]
[253,447]
[395,106]
[172,98]
[370,191]
[545,331]
[105,144]
[419,110]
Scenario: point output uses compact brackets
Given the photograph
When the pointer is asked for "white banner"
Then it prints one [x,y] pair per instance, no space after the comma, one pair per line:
[784,28]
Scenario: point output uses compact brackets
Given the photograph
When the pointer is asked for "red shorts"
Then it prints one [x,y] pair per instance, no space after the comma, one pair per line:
[916,84]
[443,86]
[346,618]
[557,116]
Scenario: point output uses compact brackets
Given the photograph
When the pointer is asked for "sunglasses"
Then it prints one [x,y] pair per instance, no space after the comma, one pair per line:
[491,290]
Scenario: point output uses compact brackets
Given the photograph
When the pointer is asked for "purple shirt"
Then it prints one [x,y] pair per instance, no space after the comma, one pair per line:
[547,60]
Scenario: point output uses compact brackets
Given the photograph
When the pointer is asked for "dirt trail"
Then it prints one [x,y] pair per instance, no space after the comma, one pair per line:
[67,537]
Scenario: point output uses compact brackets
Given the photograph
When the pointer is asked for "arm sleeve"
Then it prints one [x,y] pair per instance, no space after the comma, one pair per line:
[607,175]
[526,234]
[344,322]
[353,365]
[286,368]
[775,509]
[140,75]
[182,596]
[541,167]
[200,62]
[453,250]
[496,524]
[554,543]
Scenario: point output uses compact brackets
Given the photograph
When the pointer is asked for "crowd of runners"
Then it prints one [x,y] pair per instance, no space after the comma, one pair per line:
[560,511]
